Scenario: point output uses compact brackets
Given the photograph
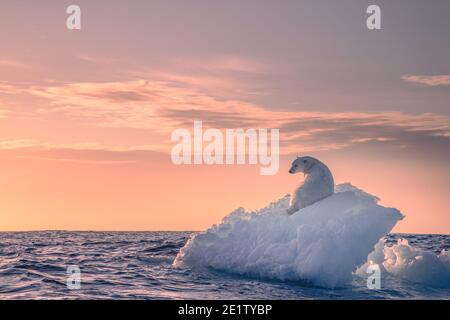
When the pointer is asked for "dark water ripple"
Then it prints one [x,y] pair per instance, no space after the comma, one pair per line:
[138,265]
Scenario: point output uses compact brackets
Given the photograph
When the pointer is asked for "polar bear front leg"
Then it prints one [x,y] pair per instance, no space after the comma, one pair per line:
[297,201]
[292,209]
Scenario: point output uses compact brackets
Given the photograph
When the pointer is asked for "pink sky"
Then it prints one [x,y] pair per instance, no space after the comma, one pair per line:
[86,117]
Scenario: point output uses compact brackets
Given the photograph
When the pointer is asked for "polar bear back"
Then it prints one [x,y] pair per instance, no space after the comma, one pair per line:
[319,184]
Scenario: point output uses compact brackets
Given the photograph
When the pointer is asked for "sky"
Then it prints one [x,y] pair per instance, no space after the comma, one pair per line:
[86,115]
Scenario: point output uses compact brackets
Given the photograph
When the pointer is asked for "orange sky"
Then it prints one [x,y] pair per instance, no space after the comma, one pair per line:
[153,194]
[86,116]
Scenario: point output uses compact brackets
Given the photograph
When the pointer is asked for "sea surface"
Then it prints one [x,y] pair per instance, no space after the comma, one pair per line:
[138,265]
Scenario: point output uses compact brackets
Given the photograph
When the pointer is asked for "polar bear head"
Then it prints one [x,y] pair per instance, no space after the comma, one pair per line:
[303,164]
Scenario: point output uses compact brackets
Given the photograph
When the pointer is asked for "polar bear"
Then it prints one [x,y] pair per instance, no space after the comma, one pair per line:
[319,183]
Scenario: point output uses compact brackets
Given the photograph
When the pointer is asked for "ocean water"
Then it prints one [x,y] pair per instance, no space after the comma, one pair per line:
[138,265]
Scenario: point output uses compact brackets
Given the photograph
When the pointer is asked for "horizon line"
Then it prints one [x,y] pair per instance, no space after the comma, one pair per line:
[142,231]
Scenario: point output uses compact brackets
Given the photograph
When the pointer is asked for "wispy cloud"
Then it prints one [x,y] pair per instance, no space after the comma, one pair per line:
[218,64]
[160,107]
[11,88]
[96,59]
[432,81]
[84,146]
[3,113]
[11,63]
[223,76]
[87,152]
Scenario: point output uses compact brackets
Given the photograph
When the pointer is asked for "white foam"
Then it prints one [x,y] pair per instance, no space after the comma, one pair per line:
[322,244]
[415,265]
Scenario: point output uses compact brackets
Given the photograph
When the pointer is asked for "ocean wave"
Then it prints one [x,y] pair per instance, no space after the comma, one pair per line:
[121,269]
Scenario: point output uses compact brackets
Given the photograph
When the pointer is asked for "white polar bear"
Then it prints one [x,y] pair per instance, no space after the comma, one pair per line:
[319,183]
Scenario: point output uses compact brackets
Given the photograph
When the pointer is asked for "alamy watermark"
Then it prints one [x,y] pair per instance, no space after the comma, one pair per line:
[233,146]
[373,22]
[73,277]
[73,21]
[374,280]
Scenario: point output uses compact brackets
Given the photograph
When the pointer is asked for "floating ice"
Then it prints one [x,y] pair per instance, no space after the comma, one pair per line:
[322,244]
[412,264]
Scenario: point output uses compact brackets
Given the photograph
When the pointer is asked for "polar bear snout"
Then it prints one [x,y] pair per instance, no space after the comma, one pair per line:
[295,168]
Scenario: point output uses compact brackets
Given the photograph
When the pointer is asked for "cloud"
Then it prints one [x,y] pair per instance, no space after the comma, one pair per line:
[97,60]
[139,104]
[432,81]
[159,107]
[219,64]
[11,63]
[85,146]
[87,152]
[222,76]
[10,88]
[3,113]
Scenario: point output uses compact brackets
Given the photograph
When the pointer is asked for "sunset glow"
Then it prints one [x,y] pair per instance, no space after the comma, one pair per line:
[86,117]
